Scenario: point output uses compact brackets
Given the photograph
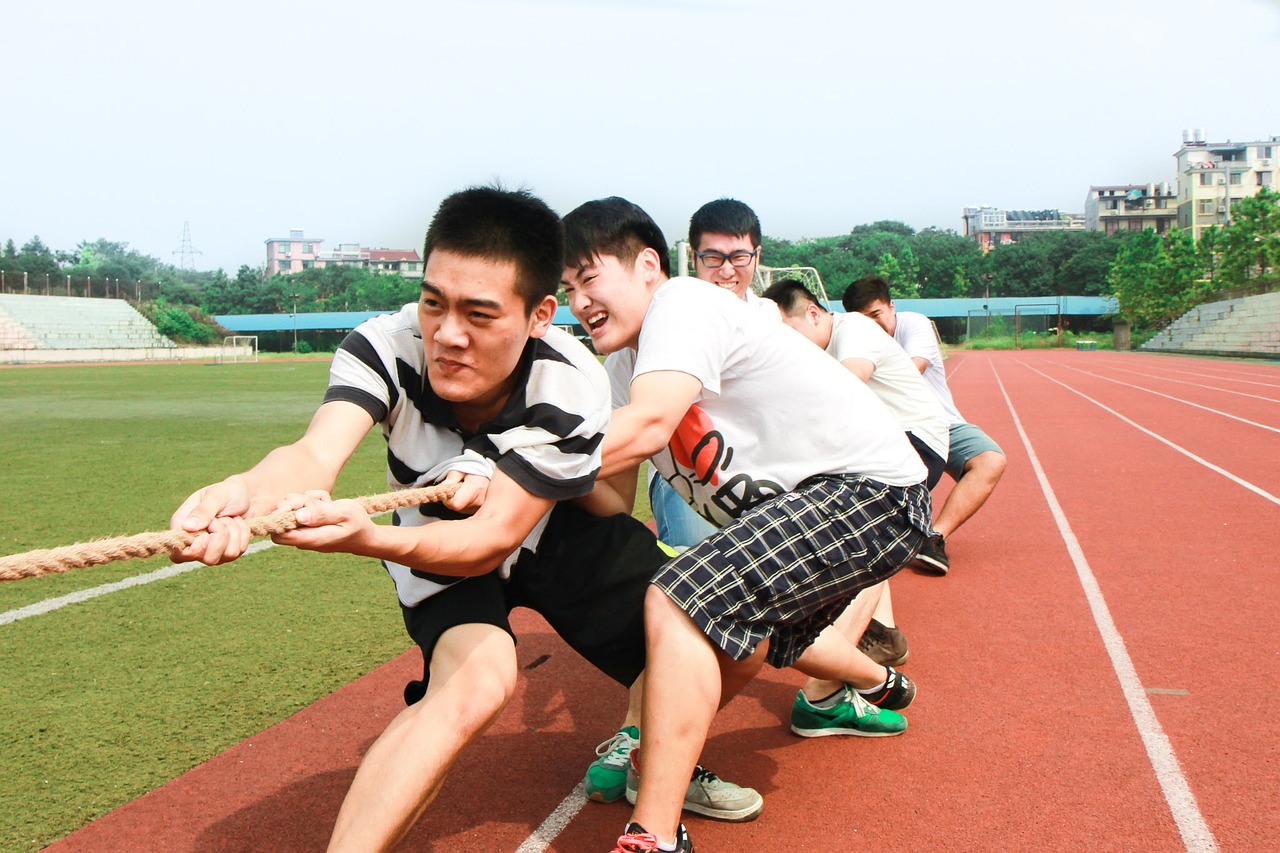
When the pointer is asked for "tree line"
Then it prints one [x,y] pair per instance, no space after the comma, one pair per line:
[1154,278]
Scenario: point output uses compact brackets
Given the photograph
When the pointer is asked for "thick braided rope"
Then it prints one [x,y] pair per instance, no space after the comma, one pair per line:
[45,561]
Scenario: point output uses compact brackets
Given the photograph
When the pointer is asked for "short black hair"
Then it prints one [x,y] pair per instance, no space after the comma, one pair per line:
[611,226]
[725,216]
[502,225]
[792,296]
[864,291]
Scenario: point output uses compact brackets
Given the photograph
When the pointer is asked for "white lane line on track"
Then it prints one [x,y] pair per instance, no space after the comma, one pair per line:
[1196,836]
[1187,453]
[1171,397]
[1221,378]
[555,822]
[1162,378]
[50,604]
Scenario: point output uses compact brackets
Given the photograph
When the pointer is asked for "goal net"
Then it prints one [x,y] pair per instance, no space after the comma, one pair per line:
[238,348]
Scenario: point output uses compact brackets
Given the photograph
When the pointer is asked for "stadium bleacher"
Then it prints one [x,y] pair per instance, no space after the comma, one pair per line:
[74,323]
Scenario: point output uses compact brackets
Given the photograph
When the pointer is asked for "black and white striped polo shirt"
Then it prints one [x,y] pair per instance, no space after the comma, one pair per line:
[547,437]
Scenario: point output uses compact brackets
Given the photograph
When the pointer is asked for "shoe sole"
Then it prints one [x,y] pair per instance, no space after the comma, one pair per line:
[741,815]
[599,797]
[893,662]
[833,732]
[932,566]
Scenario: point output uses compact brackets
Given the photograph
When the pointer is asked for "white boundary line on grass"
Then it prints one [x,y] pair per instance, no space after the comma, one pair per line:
[50,604]
[1196,835]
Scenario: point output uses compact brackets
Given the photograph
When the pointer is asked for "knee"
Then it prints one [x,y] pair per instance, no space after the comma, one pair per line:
[988,465]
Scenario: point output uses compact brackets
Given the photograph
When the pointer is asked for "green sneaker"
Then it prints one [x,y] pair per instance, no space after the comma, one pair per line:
[606,779]
[852,715]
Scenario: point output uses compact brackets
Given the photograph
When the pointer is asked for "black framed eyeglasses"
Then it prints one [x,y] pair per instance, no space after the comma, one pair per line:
[715,260]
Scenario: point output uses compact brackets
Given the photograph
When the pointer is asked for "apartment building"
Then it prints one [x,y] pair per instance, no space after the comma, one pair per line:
[1212,176]
[298,252]
[1131,207]
[991,226]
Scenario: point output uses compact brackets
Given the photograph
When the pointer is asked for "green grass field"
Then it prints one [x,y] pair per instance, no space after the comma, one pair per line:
[109,698]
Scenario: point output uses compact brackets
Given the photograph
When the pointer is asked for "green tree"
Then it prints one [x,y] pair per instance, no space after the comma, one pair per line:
[1250,245]
[1133,279]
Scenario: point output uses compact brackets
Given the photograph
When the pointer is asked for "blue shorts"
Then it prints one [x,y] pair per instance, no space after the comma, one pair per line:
[789,566]
[678,525]
[967,441]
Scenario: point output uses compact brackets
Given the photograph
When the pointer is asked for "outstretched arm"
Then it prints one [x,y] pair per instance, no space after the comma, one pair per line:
[463,547]
[218,512]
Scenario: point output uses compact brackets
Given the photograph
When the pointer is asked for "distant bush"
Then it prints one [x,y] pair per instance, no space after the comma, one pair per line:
[183,324]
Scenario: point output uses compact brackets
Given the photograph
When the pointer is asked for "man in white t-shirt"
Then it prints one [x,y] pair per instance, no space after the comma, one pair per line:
[815,489]
[725,236]
[974,460]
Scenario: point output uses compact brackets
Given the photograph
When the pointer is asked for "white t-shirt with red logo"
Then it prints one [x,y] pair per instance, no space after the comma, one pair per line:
[774,409]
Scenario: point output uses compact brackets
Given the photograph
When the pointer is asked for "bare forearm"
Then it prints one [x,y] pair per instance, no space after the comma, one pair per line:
[632,438]
[462,548]
[292,468]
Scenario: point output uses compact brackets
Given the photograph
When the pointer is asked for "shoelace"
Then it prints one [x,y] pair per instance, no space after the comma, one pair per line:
[702,774]
[861,705]
[613,745]
[642,842]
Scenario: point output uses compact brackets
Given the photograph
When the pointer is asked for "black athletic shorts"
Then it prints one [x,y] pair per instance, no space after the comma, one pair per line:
[587,579]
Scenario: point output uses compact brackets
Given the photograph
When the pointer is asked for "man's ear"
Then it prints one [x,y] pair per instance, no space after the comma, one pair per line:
[543,314]
[648,264]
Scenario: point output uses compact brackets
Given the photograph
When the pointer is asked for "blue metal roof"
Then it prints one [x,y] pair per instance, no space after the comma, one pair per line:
[336,321]
[326,321]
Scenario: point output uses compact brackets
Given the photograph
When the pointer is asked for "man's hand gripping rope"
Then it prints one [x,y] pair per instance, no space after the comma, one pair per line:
[83,555]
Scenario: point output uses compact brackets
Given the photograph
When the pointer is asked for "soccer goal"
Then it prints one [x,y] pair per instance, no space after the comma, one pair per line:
[808,276]
[239,348]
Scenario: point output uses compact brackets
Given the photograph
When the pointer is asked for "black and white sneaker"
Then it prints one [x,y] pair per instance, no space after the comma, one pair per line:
[897,693]
[933,555]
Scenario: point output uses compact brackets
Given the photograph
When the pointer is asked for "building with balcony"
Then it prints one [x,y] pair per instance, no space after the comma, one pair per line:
[297,252]
[1131,207]
[990,226]
[1213,176]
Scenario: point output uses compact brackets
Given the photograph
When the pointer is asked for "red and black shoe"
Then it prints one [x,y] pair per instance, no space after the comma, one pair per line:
[636,839]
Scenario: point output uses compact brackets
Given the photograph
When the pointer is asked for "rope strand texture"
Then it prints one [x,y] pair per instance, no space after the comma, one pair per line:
[45,561]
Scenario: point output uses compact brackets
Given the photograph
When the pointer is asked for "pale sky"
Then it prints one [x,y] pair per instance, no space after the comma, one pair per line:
[352,120]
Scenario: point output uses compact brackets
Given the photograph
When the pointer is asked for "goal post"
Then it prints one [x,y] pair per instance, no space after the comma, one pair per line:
[808,276]
[239,348]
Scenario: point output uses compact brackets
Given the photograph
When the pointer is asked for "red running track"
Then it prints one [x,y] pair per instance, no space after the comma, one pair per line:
[1099,670]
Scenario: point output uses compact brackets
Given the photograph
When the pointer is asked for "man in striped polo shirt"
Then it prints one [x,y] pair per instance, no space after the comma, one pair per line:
[473,384]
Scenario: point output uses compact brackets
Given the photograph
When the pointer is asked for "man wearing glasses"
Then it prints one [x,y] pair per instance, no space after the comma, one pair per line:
[725,236]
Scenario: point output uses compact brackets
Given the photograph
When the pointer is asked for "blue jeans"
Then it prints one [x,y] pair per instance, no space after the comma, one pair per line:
[678,525]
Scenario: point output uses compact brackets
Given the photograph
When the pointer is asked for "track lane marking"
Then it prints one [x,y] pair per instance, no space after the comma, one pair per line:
[1196,835]
[1161,378]
[1169,397]
[1240,481]
[555,823]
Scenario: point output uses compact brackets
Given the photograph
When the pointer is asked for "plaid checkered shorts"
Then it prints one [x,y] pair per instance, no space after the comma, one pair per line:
[788,567]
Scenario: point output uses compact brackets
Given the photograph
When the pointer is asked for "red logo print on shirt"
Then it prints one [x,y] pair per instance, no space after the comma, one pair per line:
[697,445]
